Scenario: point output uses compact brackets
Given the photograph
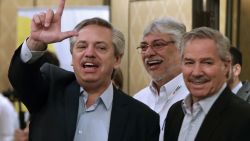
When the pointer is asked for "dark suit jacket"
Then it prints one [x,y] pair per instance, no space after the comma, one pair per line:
[227,120]
[52,95]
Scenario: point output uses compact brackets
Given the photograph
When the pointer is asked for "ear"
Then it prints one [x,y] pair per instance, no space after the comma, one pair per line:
[117,62]
[237,69]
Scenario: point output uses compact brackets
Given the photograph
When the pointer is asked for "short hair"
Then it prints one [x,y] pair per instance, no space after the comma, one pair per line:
[222,42]
[118,40]
[236,56]
[167,26]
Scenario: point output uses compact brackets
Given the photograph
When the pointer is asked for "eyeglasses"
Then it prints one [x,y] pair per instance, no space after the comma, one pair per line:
[156,45]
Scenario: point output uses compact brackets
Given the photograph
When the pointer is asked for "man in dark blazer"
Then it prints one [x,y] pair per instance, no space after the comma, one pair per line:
[238,87]
[211,112]
[83,105]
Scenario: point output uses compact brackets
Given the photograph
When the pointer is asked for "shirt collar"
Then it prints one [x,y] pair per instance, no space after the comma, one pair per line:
[170,87]
[205,104]
[237,87]
[106,97]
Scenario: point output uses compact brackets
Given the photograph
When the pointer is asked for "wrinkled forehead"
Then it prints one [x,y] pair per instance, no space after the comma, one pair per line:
[156,36]
[201,48]
[95,32]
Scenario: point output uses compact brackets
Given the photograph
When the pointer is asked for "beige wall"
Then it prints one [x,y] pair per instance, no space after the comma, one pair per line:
[7,38]
[245,38]
[69,2]
[119,18]
[223,16]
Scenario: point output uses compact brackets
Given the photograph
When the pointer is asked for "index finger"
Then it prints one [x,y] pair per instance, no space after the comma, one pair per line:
[61,7]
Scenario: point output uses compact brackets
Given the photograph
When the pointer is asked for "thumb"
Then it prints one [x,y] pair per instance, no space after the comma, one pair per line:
[67,34]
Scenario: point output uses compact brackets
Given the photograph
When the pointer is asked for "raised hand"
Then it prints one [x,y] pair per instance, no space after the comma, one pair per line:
[46,28]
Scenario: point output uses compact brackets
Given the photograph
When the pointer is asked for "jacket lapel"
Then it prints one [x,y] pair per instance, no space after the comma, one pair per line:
[173,122]
[119,116]
[72,93]
[213,117]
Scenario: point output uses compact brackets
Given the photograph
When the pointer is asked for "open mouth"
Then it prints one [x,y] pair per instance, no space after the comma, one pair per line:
[154,62]
[89,65]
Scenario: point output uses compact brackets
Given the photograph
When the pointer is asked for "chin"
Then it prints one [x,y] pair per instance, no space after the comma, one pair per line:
[90,79]
[200,94]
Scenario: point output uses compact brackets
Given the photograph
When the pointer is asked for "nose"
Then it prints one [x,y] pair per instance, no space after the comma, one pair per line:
[90,51]
[150,51]
[197,70]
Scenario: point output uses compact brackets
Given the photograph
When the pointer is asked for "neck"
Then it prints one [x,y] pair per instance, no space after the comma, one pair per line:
[94,91]
[160,82]
[92,99]
[235,82]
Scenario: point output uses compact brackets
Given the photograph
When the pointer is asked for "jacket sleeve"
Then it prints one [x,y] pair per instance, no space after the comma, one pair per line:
[28,81]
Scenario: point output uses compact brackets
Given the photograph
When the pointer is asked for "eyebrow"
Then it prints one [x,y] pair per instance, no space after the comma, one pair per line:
[200,59]
[96,42]
[101,42]
[80,41]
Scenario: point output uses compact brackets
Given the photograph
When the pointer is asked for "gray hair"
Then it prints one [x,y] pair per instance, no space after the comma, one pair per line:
[167,26]
[118,40]
[222,42]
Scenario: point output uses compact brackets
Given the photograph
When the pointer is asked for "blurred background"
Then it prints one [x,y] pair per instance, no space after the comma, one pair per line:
[231,17]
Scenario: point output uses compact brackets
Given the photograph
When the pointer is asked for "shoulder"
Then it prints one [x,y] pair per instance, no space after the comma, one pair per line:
[237,105]
[142,94]
[55,73]
[50,68]
[246,86]
[133,104]
[4,101]
[176,107]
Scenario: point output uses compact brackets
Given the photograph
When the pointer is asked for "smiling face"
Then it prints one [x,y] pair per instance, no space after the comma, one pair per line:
[93,57]
[203,70]
[162,64]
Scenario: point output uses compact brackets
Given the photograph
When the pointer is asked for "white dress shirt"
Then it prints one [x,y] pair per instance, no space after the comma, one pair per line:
[8,119]
[173,91]
[195,115]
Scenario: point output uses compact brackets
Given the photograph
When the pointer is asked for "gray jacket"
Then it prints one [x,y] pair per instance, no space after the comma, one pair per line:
[244,91]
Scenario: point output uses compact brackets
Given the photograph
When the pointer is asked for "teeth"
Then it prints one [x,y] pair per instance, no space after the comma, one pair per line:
[154,62]
[88,64]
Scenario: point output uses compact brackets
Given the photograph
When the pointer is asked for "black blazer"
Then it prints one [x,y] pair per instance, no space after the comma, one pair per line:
[227,120]
[52,95]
